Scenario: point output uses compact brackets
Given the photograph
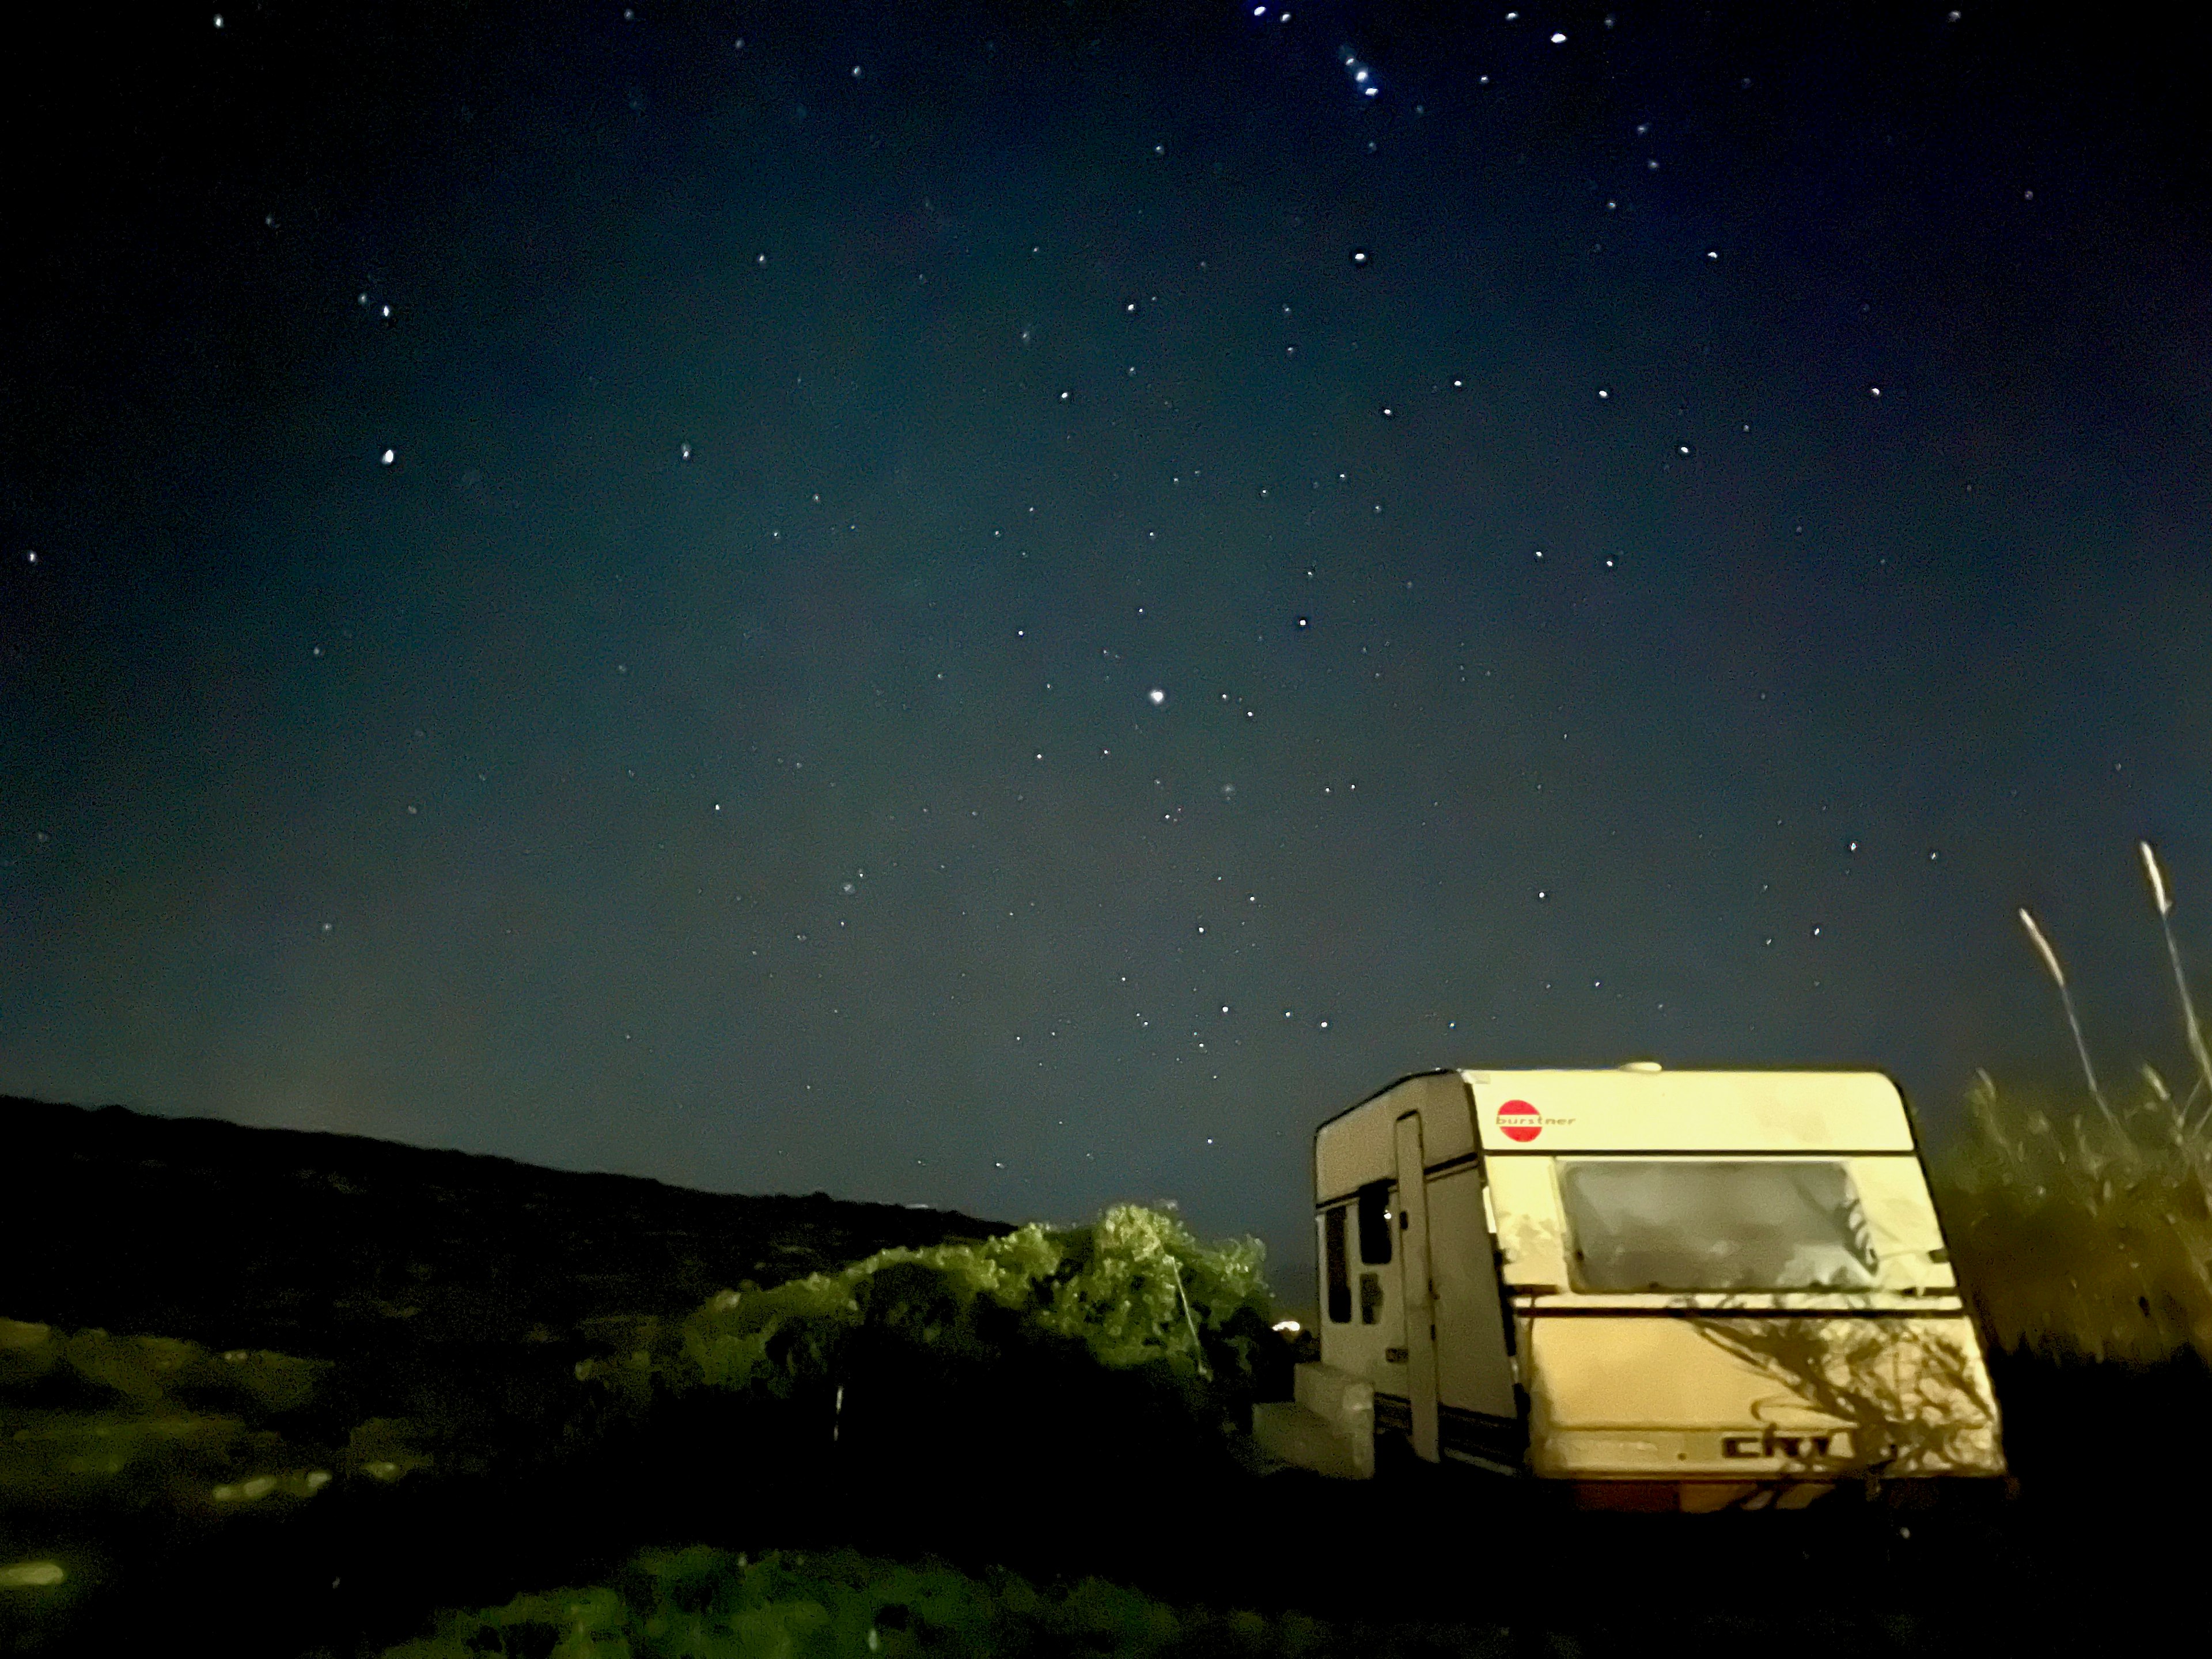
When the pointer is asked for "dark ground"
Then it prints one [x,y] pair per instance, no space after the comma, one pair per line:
[458,1293]
[328,1243]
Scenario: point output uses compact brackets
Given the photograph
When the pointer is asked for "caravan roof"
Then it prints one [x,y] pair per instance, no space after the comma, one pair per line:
[1623,1110]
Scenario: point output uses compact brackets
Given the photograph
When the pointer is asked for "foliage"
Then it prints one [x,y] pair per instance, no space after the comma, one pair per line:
[1135,1291]
[702,1603]
[90,1421]
[151,1372]
[2081,1230]
[2080,1235]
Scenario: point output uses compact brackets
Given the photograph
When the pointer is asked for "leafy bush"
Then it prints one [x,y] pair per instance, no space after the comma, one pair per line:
[1133,1291]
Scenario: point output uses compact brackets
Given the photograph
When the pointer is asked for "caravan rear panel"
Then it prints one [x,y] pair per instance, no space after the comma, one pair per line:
[1722,1281]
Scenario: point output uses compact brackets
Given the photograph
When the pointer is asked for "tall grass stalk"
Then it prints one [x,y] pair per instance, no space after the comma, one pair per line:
[2066,998]
[2190,1021]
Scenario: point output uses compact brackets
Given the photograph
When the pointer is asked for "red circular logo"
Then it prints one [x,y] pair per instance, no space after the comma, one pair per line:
[1517,1121]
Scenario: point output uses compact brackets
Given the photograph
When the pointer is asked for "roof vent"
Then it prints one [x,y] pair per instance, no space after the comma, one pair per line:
[1642,1065]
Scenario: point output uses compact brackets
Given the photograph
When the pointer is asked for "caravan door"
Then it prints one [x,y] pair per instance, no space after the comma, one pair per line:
[1417,1294]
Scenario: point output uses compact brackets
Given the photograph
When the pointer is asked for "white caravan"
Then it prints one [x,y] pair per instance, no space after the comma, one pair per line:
[1692,1290]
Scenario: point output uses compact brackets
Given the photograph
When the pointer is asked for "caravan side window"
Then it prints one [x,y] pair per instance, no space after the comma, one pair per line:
[1374,1222]
[1339,1271]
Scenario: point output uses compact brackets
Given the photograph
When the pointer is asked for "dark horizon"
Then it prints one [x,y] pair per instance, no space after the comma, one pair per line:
[1007,609]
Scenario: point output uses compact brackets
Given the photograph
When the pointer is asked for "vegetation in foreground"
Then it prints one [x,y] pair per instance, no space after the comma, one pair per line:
[2079,1235]
[2083,1230]
[126,1456]
[1135,1292]
[101,1423]
[709,1604]
[240,1356]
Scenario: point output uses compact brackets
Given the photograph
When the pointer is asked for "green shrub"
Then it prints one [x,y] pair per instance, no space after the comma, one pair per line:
[1134,1291]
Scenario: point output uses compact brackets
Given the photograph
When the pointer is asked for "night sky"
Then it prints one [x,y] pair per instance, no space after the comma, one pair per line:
[1008,605]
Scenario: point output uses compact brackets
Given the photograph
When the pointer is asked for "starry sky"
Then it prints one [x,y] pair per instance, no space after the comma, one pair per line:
[1008,604]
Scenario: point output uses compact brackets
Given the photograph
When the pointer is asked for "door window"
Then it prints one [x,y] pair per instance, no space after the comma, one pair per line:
[1698,1224]
[1374,1222]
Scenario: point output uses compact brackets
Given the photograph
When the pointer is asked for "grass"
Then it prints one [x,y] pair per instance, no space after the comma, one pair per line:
[703,1603]
[107,1441]
[2082,1230]
[99,1423]
[92,1423]
[2079,1235]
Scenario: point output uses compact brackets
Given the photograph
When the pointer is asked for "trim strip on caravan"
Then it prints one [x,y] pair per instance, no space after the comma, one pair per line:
[1743,1154]
[1529,1306]
[1731,1152]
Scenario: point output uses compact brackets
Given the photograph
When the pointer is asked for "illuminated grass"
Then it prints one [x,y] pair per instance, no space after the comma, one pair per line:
[2088,1233]
[2082,1236]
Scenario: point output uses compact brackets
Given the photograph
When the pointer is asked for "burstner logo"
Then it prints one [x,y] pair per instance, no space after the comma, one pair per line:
[1517,1121]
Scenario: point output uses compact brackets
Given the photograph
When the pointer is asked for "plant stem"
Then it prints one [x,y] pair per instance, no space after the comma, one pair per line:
[2066,999]
[2174,955]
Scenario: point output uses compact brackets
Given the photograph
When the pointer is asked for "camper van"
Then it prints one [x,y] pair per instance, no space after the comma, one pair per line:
[1653,1289]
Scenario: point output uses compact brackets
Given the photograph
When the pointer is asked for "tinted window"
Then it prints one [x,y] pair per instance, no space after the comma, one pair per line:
[1686,1224]
[1339,1280]
[1374,1222]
